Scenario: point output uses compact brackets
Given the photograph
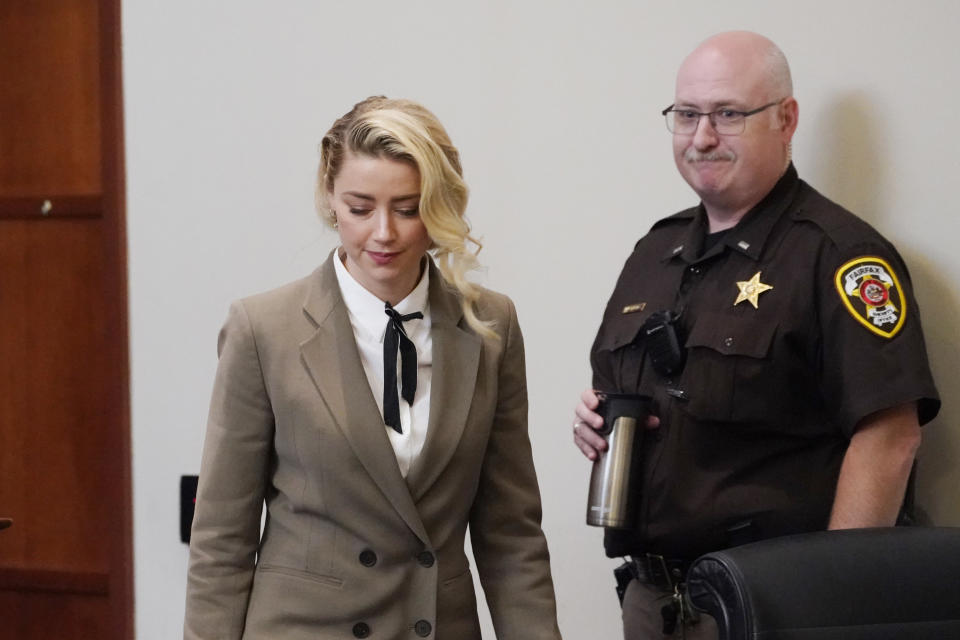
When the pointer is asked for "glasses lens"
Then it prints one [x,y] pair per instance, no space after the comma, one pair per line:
[727,122]
[682,121]
[671,125]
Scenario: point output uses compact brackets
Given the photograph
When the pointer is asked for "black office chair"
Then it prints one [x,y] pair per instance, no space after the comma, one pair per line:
[860,584]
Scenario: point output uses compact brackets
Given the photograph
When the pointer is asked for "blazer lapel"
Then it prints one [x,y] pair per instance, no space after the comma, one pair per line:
[333,360]
[456,357]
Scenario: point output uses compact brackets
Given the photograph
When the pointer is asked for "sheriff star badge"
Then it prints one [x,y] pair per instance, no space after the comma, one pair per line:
[751,289]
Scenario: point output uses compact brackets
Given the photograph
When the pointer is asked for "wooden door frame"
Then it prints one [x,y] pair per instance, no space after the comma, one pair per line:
[110,206]
[114,209]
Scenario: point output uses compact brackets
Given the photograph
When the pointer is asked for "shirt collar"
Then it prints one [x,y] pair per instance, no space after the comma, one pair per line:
[366,309]
[750,234]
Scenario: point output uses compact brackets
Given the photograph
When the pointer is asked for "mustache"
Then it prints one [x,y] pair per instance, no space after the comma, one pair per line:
[692,155]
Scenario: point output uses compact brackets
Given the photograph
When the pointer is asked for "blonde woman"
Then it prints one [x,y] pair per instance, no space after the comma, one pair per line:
[377,408]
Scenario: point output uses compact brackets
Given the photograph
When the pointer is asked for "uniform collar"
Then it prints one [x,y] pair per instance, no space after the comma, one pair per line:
[750,234]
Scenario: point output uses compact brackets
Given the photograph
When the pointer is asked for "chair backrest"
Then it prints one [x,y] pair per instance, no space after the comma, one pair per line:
[859,584]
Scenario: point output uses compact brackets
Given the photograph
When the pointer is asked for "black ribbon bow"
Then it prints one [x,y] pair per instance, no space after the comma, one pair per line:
[394,340]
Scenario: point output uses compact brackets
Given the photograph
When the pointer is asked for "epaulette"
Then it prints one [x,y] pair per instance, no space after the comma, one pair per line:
[681,217]
[845,229]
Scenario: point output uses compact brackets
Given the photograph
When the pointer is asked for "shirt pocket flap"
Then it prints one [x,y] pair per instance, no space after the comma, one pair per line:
[731,336]
[622,330]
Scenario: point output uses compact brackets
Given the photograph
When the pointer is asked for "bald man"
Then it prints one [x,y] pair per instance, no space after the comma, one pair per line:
[795,397]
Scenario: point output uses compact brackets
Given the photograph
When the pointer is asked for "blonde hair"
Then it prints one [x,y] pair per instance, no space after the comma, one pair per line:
[405,130]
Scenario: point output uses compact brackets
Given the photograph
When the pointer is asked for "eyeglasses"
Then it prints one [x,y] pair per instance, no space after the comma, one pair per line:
[726,122]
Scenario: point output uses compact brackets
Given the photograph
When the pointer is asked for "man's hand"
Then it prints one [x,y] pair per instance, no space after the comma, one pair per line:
[587,422]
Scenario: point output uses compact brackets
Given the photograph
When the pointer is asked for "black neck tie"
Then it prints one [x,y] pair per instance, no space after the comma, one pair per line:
[394,340]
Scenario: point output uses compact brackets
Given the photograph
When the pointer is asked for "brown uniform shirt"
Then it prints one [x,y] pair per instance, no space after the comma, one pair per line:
[755,426]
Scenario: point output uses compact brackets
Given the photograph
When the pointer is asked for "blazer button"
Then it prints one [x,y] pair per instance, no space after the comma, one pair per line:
[425,558]
[368,559]
[361,630]
[422,628]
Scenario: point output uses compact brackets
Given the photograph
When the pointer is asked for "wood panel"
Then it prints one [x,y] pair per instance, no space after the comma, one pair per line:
[52,94]
[54,616]
[54,380]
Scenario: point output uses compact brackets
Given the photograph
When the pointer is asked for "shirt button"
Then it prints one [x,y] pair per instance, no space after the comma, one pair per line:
[361,630]
[425,558]
[728,342]
[422,628]
[368,558]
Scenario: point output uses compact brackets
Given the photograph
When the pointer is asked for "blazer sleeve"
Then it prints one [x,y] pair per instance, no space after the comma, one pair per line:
[508,544]
[233,480]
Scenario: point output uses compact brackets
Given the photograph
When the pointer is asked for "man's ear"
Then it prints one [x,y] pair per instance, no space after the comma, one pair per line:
[789,112]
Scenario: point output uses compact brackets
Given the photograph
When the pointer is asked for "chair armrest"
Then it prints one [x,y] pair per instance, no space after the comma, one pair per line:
[854,584]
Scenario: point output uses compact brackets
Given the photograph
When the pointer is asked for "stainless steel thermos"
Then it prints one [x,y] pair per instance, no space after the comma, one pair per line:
[614,481]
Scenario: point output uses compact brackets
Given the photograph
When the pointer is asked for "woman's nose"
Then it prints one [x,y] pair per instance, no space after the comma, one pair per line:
[385,230]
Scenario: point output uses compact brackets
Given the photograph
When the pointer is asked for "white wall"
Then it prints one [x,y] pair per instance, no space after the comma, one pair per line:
[555,108]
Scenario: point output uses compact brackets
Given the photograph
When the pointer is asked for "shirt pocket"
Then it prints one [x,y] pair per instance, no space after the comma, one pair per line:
[620,354]
[728,375]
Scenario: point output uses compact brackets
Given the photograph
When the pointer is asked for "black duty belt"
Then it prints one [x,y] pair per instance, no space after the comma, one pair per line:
[667,574]
[656,570]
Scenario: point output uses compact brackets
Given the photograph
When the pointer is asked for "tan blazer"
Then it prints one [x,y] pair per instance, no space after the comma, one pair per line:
[350,548]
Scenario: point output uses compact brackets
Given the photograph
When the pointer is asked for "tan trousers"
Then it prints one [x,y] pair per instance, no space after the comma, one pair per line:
[642,619]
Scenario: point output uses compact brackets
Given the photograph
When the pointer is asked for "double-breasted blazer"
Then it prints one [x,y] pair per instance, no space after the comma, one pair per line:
[350,548]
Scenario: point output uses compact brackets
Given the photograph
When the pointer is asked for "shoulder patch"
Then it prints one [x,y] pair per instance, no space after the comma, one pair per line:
[871,292]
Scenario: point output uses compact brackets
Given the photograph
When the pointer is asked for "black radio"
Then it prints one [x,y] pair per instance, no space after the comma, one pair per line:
[663,344]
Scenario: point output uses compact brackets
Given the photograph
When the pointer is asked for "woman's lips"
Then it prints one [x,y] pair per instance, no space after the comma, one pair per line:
[382,258]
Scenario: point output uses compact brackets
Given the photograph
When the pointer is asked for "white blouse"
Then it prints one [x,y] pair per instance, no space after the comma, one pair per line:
[369,327]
